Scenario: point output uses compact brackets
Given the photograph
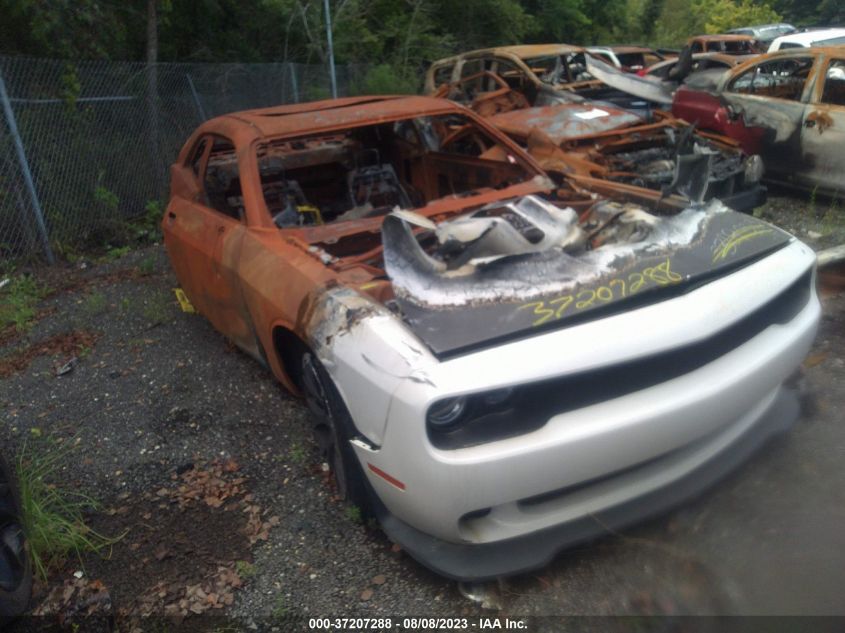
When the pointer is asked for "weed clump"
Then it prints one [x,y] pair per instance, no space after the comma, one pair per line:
[53,516]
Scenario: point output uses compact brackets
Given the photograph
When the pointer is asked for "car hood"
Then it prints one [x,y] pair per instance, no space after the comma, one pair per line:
[565,122]
[647,87]
[526,266]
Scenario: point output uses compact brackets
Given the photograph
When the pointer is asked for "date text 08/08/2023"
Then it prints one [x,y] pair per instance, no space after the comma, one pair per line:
[416,624]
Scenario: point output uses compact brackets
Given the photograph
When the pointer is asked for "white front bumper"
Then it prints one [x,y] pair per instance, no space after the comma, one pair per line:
[646,439]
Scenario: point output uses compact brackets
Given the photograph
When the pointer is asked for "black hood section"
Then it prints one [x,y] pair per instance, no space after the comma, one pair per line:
[553,289]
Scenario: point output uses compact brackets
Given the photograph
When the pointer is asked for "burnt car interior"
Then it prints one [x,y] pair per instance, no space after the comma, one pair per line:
[834,84]
[367,171]
[779,78]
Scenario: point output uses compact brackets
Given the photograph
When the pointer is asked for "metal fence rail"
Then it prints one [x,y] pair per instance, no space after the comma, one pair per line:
[85,146]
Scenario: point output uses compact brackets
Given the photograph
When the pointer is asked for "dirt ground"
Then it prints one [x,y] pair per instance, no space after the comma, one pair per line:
[205,469]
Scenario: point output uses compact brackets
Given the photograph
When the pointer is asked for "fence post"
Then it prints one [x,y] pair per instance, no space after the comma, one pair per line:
[196,97]
[27,175]
[295,87]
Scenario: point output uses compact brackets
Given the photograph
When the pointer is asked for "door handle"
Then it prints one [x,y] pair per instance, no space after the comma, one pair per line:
[221,229]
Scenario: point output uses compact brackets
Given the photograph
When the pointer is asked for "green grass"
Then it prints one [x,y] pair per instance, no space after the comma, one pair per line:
[280,610]
[18,302]
[52,515]
[298,454]
[148,265]
[157,308]
[353,513]
[245,569]
[94,304]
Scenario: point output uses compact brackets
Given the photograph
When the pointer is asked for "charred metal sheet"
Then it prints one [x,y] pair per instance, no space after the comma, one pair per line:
[647,88]
[565,122]
[513,296]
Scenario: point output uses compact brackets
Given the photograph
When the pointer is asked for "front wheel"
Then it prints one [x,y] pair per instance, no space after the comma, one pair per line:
[333,428]
[15,564]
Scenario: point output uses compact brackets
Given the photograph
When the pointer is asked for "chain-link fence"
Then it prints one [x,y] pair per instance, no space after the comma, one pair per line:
[84,146]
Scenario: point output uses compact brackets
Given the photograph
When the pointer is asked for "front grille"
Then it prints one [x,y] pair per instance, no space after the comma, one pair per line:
[534,404]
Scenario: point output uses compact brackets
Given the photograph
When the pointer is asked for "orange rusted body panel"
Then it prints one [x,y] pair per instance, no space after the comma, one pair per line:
[251,278]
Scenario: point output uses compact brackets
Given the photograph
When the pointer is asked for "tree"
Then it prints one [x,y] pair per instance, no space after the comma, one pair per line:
[718,16]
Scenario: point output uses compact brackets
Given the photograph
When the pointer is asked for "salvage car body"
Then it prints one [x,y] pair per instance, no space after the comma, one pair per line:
[627,58]
[525,365]
[607,143]
[764,33]
[728,44]
[545,74]
[789,107]
[700,63]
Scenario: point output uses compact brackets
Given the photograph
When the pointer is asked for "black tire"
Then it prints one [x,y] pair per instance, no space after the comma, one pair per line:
[15,563]
[333,428]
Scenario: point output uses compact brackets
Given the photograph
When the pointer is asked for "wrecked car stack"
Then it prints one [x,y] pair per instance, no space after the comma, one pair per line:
[500,364]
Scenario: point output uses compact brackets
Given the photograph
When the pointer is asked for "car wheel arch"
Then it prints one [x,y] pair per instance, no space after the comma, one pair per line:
[288,349]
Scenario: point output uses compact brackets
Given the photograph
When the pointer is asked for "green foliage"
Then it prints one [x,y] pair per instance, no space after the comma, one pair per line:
[386,80]
[18,302]
[53,516]
[94,304]
[719,16]
[245,569]
[353,513]
[681,19]
[116,252]
[158,308]
[148,265]
[280,609]
[298,455]
[107,198]
[403,34]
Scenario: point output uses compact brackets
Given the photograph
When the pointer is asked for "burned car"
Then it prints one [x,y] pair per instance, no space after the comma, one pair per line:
[594,141]
[789,107]
[497,366]
[731,44]
[630,59]
[700,63]
[545,74]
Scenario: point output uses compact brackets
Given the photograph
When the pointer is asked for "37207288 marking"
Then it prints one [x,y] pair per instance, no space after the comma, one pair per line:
[617,288]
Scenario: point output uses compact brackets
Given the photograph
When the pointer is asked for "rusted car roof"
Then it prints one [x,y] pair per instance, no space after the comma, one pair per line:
[523,51]
[322,115]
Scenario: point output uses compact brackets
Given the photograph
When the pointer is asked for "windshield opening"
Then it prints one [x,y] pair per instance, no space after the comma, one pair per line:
[367,171]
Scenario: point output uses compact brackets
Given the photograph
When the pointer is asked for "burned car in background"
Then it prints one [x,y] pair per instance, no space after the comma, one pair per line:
[730,44]
[789,107]
[699,63]
[601,146]
[498,366]
[545,74]
[630,59]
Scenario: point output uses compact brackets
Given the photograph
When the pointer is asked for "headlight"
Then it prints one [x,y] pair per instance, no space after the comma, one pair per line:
[445,413]
[754,168]
[498,397]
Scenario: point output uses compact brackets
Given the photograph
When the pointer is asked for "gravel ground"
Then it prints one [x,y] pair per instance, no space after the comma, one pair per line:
[160,392]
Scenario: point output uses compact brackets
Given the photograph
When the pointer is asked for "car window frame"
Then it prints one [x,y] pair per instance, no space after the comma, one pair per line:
[821,80]
[243,219]
[806,91]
